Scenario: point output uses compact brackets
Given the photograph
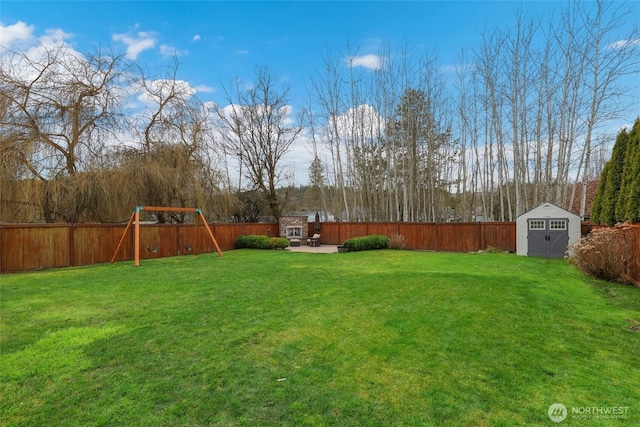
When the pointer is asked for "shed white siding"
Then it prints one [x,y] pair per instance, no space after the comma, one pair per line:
[545,211]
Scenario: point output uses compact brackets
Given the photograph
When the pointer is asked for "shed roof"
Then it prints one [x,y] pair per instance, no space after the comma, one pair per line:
[547,205]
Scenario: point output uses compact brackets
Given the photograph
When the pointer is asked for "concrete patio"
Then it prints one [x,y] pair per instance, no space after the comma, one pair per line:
[321,249]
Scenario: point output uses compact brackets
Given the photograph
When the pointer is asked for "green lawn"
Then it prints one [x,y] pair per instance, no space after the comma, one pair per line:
[274,338]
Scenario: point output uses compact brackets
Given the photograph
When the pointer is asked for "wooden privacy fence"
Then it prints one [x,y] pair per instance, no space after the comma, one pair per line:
[34,247]
[632,236]
[633,266]
[448,237]
[40,246]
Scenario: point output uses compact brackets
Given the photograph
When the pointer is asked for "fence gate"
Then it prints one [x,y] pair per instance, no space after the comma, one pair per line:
[548,237]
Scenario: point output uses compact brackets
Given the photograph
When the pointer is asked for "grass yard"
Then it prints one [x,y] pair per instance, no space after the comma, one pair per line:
[273,338]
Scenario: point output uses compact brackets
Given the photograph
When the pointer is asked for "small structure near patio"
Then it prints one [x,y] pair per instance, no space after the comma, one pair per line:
[546,231]
[294,229]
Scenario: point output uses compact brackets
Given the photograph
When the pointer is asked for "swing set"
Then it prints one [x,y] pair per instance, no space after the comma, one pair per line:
[135,219]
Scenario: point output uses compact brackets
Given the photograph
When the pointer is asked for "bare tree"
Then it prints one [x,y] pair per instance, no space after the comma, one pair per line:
[256,129]
[516,91]
[328,90]
[608,57]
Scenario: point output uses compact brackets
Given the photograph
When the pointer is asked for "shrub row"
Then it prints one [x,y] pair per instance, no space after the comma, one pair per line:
[366,243]
[261,242]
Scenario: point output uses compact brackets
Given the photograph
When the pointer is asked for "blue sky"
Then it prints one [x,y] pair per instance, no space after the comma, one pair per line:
[219,41]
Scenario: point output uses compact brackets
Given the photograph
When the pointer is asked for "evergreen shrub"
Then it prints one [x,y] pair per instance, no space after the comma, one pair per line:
[253,242]
[366,243]
[278,243]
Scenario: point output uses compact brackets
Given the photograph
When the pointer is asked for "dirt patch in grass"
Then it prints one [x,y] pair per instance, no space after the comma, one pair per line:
[634,325]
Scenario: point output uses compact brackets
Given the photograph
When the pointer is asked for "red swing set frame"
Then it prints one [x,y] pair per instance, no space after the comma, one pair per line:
[135,218]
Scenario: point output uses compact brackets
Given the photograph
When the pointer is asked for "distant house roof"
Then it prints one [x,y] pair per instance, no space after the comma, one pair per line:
[311,215]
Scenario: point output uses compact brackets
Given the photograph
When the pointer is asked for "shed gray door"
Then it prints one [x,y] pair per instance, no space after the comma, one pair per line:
[547,237]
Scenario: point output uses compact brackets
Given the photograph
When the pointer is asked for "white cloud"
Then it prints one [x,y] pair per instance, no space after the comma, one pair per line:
[167,50]
[196,37]
[241,52]
[16,32]
[37,50]
[135,45]
[54,36]
[363,118]
[621,44]
[299,157]
[34,47]
[204,89]
[373,62]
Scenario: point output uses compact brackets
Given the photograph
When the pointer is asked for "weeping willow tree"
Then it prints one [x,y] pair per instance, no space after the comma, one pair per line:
[62,155]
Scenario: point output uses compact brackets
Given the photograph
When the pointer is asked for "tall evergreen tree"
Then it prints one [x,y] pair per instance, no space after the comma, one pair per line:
[631,177]
[618,195]
[596,207]
[314,197]
[614,179]
[418,140]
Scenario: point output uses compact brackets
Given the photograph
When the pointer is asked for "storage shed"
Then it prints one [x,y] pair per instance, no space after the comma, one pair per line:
[546,231]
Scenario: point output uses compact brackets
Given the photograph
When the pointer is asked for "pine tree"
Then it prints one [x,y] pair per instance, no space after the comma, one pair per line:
[314,197]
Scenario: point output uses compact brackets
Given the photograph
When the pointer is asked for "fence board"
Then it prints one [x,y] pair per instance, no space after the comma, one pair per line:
[34,247]
[500,235]
[330,233]
[633,264]
[95,243]
[384,228]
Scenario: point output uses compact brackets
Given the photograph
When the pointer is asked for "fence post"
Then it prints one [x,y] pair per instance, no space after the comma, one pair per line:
[178,227]
[72,248]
